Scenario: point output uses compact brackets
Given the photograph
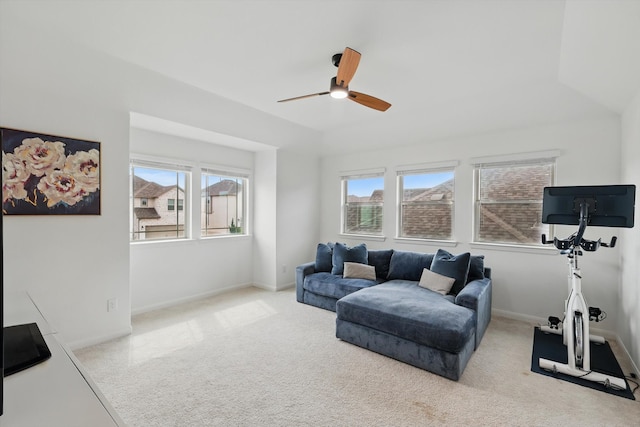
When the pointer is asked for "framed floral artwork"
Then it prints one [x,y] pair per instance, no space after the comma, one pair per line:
[49,175]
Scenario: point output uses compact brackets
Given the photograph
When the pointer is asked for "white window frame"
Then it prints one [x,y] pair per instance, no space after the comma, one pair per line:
[231,173]
[514,160]
[140,161]
[423,169]
[345,177]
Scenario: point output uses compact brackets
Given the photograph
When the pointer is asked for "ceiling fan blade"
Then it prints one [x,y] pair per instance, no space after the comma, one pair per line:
[369,101]
[348,66]
[304,96]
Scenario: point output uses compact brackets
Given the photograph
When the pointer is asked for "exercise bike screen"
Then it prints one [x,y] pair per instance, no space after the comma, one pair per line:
[608,205]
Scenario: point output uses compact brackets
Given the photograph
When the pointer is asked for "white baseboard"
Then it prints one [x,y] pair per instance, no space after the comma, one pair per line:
[265,287]
[277,288]
[287,286]
[534,320]
[628,355]
[189,298]
[76,345]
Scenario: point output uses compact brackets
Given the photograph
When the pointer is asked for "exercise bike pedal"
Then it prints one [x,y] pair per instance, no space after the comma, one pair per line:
[596,315]
[554,322]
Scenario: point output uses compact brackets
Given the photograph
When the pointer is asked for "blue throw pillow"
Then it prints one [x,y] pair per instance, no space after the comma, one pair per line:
[380,260]
[406,265]
[454,266]
[342,253]
[324,257]
[476,268]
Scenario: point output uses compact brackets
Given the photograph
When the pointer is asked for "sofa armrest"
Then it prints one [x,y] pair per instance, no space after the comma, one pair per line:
[477,297]
[302,271]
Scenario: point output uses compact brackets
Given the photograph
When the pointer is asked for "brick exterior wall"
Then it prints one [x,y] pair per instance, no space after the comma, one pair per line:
[512,222]
[511,208]
[427,212]
[514,183]
[427,221]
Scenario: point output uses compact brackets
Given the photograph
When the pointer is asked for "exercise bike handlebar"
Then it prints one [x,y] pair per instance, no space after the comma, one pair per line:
[576,240]
[567,245]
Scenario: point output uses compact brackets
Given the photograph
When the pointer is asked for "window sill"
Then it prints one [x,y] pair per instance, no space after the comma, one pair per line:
[168,242]
[159,242]
[426,242]
[364,237]
[223,237]
[545,250]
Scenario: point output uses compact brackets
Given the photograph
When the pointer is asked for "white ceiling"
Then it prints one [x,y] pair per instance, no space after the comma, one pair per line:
[450,67]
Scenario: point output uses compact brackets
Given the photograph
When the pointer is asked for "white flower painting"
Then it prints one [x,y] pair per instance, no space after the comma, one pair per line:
[45,174]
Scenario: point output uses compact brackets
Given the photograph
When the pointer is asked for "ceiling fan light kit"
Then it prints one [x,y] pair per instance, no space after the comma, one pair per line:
[337,91]
[347,63]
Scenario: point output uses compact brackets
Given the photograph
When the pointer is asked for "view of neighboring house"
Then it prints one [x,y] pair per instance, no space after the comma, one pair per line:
[510,205]
[222,208]
[158,210]
[509,212]
[364,213]
[427,212]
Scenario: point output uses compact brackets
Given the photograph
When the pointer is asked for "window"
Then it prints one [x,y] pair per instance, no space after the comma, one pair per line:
[426,204]
[223,204]
[171,204]
[154,190]
[508,205]
[362,204]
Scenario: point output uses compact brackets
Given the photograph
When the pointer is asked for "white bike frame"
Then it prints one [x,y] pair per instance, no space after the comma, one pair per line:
[576,336]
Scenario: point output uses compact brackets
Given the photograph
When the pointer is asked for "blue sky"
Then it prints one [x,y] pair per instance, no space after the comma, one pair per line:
[160,176]
[357,187]
[366,186]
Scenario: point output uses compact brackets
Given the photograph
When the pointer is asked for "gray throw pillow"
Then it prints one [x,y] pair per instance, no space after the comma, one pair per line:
[436,282]
[355,270]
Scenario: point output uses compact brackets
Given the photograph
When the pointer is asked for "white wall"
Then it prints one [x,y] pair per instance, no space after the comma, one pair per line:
[287,215]
[527,283]
[298,213]
[55,86]
[264,223]
[629,289]
[168,272]
[71,265]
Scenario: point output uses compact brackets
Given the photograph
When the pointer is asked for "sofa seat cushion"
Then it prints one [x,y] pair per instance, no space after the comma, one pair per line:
[334,286]
[404,309]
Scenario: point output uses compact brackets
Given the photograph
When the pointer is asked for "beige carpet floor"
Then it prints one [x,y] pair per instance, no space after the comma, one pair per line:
[258,358]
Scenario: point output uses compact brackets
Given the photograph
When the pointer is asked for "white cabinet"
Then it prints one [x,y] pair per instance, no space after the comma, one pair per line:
[56,392]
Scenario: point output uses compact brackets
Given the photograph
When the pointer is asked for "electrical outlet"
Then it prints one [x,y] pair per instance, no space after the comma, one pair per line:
[284,268]
[112,304]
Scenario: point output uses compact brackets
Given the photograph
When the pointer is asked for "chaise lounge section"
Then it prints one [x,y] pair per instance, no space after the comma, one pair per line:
[401,310]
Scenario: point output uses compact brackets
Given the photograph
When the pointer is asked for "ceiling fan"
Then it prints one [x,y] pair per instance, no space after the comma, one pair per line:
[347,63]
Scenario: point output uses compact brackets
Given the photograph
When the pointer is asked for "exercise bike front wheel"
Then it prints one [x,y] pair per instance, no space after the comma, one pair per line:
[579,338]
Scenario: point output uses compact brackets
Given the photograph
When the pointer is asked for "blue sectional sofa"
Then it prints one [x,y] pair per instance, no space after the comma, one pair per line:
[386,302]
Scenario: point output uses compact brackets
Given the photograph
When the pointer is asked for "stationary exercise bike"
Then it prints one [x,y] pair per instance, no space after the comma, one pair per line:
[575,325]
